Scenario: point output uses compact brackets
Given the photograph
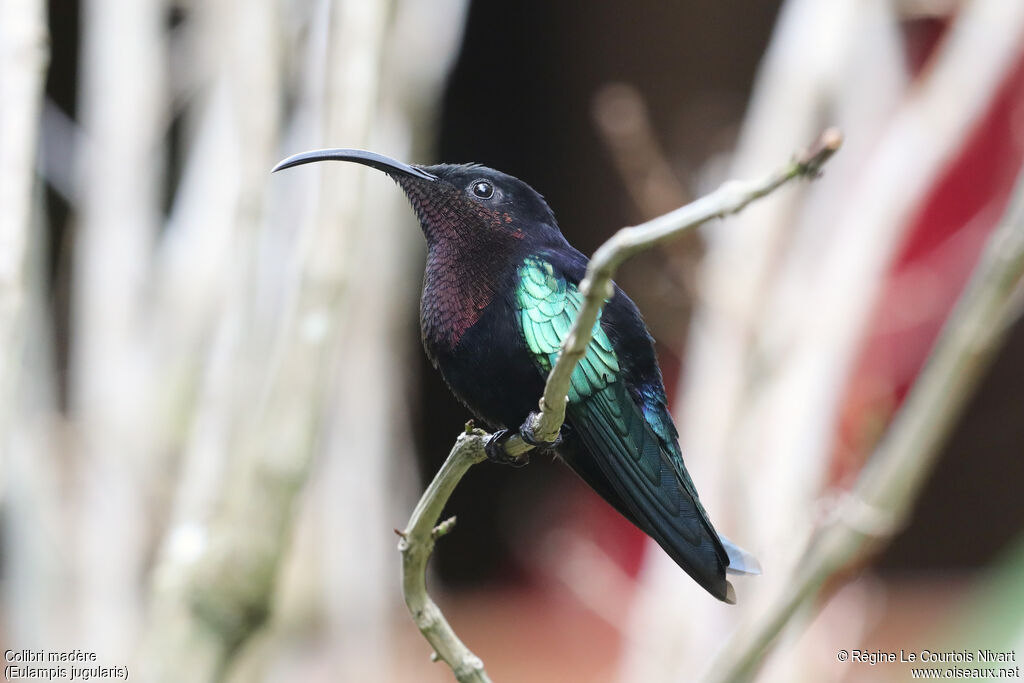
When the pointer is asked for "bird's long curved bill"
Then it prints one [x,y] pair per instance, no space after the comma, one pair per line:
[359,156]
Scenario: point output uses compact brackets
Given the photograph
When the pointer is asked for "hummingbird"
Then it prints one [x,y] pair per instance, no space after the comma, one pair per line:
[500,293]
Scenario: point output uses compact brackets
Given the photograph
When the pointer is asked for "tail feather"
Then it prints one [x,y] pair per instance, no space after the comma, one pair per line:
[622,449]
[740,561]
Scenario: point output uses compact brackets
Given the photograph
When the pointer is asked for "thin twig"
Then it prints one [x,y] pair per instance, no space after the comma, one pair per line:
[889,484]
[416,545]
[596,285]
[418,538]
[784,305]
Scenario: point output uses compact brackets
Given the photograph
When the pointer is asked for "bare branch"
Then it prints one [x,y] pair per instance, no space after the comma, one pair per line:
[889,484]
[119,175]
[596,285]
[784,305]
[416,545]
[216,582]
[32,501]
[418,538]
[23,39]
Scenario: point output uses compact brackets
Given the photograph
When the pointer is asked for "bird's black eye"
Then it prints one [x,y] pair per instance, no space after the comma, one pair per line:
[483,189]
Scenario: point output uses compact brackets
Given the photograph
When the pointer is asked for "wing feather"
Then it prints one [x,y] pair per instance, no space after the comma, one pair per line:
[633,457]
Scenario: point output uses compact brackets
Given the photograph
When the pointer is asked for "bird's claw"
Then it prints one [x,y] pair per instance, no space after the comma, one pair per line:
[527,434]
[495,450]
[495,446]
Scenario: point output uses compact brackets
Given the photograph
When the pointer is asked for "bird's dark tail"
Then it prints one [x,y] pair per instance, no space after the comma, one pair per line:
[622,459]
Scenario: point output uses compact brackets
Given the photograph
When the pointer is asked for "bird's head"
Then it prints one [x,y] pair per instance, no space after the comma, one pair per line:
[461,203]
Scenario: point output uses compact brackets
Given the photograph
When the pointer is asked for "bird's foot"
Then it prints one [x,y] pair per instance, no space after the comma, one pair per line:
[527,435]
[495,446]
[495,450]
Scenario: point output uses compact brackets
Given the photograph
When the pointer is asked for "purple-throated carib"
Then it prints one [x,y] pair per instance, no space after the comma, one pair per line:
[499,295]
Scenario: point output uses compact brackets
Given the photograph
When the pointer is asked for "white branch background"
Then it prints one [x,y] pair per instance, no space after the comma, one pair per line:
[784,297]
[210,341]
[209,503]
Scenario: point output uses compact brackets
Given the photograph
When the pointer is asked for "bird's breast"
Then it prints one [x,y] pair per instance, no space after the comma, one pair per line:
[458,286]
[448,309]
[470,335]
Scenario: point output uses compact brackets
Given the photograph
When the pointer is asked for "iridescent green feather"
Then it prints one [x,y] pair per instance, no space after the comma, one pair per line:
[547,305]
[633,451]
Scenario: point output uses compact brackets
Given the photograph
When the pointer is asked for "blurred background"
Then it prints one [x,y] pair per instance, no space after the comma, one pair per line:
[214,408]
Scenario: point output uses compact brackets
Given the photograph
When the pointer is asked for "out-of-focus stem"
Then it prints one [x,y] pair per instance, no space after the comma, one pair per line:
[889,484]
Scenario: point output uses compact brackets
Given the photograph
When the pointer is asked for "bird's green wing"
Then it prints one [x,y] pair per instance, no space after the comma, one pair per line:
[547,305]
[631,458]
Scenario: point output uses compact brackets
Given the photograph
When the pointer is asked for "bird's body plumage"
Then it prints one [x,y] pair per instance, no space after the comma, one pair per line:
[499,296]
[619,437]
